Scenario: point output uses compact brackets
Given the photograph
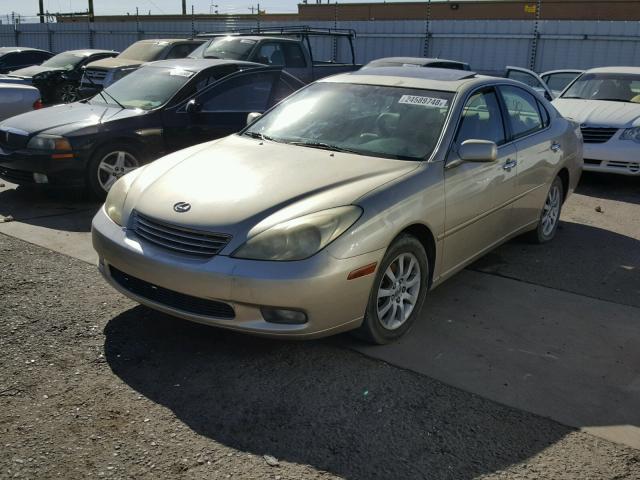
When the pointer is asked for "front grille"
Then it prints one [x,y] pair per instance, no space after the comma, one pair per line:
[632,167]
[16,176]
[597,135]
[177,238]
[13,141]
[170,298]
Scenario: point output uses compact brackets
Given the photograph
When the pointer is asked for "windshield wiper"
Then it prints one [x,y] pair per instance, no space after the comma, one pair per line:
[574,96]
[325,146]
[260,136]
[612,100]
[101,90]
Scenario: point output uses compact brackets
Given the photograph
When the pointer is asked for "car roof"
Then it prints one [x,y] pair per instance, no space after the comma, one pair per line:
[199,64]
[170,40]
[88,51]
[425,78]
[4,50]
[635,70]
[412,61]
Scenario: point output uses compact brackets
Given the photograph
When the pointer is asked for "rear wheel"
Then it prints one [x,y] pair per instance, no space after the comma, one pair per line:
[398,292]
[550,215]
[107,165]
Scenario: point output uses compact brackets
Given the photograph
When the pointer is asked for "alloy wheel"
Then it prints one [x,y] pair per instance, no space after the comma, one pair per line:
[551,211]
[68,94]
[398,291]
[113,166]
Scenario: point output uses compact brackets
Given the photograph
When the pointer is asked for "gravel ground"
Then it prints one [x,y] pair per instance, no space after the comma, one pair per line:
[92,385]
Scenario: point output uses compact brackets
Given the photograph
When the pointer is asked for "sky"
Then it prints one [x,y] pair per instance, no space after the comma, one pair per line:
[105,7]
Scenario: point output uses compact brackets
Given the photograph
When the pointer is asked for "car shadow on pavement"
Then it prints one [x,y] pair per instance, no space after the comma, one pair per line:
[313,403]
[581,259]
[610,186]
[59,209]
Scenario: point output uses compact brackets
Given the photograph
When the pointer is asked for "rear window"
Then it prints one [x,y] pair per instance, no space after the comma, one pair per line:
[144,51]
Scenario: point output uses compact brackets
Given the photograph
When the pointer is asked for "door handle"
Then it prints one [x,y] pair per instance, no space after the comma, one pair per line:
[509,164]
[555,146]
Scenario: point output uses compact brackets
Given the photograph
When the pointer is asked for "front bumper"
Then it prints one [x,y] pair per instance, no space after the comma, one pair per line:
[19,167]
[615,156]
[317,286]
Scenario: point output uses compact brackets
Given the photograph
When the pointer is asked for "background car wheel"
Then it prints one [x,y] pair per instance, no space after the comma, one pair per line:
[107,165]
[398,292]
[67,93]
[550,215]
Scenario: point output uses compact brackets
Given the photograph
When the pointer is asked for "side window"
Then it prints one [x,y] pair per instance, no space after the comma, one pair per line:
[282,89]
[180,51]
[11,60]
[213,75]
[524,117]
[481,119]
[293,56]
[245,93]
[270,54]
[546,119]
[30,58]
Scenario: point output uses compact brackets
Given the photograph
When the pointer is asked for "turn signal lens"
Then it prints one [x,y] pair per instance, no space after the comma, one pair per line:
[362,271]
[37,105]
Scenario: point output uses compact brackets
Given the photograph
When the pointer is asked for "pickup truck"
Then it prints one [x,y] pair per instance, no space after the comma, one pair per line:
[286,47]
[102,73]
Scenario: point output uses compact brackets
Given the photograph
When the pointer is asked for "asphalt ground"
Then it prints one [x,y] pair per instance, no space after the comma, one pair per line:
[93,385]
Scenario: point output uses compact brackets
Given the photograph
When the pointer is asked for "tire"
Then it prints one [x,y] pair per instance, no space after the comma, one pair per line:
[107,164]
[384,322]
[550,215]
[67,92]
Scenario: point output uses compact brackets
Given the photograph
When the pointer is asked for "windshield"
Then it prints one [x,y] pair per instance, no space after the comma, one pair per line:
[615,87]
[380,121]
[144,51]
[65,61]
[232,48]
[146,88]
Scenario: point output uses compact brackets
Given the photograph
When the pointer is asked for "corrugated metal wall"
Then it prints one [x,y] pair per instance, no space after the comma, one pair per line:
[487,46]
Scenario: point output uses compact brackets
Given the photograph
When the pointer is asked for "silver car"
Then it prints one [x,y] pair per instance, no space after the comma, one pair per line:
[17,99]
[343,205]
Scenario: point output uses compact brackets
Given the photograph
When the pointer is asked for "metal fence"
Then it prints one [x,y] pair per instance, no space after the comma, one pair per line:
[486,45]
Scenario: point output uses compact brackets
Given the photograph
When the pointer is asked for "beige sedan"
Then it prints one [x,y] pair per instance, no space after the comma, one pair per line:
[343,206]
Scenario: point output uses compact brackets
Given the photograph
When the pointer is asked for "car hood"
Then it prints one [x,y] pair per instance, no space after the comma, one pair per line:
[63,119]
[600,113]
[29,72]
[115,62]
[242,186]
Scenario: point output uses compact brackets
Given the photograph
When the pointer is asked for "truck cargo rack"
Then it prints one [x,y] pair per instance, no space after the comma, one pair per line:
[301,31]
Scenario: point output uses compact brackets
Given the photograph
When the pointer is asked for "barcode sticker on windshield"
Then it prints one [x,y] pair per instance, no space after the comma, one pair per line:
[426,101]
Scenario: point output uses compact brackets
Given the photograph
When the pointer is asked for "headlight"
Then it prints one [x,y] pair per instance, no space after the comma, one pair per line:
[301,237]
[631,134]
[114,203]
[49,142]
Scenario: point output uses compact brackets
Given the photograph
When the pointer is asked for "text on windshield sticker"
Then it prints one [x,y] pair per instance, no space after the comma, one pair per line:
[425,101]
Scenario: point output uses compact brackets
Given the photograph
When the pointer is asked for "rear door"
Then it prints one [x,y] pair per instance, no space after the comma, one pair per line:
[478,195]
[531,79]
[287,55]
[539,151]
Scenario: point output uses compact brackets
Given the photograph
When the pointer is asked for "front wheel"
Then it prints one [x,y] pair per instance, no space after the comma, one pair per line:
[107,165]
[550,215]
[398,292]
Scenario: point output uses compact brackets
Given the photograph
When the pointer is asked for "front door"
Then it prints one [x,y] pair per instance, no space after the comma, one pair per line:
[219,110]
[478,195]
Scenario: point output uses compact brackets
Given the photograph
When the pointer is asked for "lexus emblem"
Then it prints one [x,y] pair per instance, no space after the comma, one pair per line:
[181,207]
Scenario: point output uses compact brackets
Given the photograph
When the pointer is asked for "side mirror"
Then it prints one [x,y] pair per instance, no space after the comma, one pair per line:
[253,116]
[478,151]
[192,106]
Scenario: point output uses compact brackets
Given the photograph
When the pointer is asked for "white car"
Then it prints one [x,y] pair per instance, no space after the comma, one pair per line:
[606,104]
[16,99]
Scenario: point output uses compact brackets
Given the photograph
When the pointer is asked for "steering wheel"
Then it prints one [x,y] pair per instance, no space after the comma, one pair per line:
[383,123]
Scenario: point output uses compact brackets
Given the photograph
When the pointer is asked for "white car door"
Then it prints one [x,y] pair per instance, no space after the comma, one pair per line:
[530,78]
